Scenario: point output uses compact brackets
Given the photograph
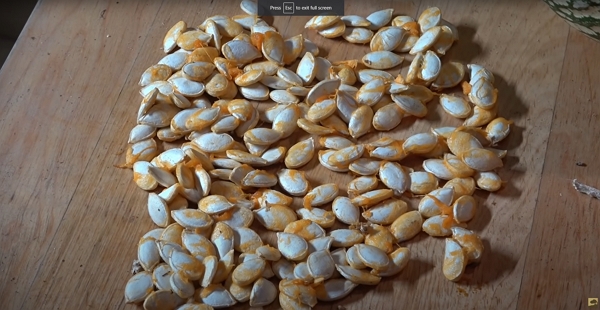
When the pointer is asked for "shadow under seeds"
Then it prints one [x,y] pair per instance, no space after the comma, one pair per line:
[465,49]
[494,266]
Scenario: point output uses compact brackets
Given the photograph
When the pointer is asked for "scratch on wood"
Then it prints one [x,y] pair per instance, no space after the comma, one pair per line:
[102,14]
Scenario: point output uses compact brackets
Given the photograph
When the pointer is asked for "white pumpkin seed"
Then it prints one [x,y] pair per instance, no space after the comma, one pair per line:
[454,260]
[394,177]
[216,296]
[433,203]
[407,226]
[358,276]
[293,181]
[306,68]
[346,237]
[335,289]
[365,166]
[464,208]
[162,299]
[426,40]
[291,246]
[397,262]
[263,293]
[438,168]
[488,181]
[386,212]
[245,239]
[275,217]
[382,60]
[321,195]
[380,18]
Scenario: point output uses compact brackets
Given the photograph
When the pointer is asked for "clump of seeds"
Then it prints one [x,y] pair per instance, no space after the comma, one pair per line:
[225,89]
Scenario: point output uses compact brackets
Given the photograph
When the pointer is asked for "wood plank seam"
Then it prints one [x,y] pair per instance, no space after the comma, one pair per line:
[562,69]
[93,151]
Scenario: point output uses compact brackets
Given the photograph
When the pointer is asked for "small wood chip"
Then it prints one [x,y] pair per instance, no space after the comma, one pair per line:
[586,189]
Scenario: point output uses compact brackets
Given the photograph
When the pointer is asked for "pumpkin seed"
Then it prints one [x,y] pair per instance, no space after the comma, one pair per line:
[284,269]
[321,22]
[216,296]
[293,48]
[262,136]
[394,177]
[240,51]
[291,246]
[158,210]
[410,105]
[469,242]
[426,40]
[380,237]
[346,237]
[170,39]
[360,121]
[397,262]
[268,67]
[353,259]
[321,110]
[365,166]
[366,75]
[293,181]
[478,71]
[320,243]
[464,208]
[333,31]
[245,239]
[324,157]
[488,181]
[320,264]
[481,159]
[438,168]
[335,289]
[386,212]
[358,276]
[361,185]
[162,299]
[161,276]
[431,67]
[357,35]
[439,225]
[371,92]
[345,211]
[433,203]
[388,117]
[275,217]
[263,293]
[323,218]
[387,38]
[429,18]
[483,94]
[303,294]
[380,18]
[382,60]
[248,271]
[407,226]
[498,129]
[306,68]
[454,260]
[268,253]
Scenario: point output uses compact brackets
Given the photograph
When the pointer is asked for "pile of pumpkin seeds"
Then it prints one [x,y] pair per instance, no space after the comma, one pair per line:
[210,147]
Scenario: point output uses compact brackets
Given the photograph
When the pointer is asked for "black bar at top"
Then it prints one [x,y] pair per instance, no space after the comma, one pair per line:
[300,7]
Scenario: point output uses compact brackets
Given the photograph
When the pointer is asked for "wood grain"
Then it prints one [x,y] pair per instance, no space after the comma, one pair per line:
[71,221]
[562,259]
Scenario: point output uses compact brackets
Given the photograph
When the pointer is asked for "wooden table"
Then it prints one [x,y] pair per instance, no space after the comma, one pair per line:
[70,220]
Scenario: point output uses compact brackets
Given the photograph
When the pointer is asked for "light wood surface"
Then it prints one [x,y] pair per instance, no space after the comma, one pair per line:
[70,221]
